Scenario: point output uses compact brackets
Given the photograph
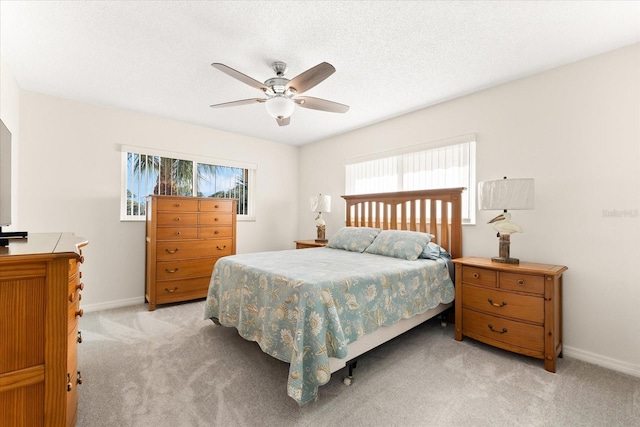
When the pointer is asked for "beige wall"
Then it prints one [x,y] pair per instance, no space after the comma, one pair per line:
[70,181]
[576,131]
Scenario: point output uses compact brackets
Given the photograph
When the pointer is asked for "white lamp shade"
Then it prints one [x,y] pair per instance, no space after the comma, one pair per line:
[279,106]
[509,194]
[320,203]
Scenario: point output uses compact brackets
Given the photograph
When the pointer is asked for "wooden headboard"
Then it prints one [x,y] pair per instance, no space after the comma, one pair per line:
[423,210]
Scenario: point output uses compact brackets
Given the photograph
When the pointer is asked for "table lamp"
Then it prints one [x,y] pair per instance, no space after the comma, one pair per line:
[505,194]
[320,203]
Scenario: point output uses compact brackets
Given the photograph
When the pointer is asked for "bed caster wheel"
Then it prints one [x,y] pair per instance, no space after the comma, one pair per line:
[347,381]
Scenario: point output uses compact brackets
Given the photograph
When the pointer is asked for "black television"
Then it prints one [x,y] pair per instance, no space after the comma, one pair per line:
[5,187]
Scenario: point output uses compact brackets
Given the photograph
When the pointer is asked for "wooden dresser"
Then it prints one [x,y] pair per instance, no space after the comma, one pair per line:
[39,309]
[517,307]
[185,238]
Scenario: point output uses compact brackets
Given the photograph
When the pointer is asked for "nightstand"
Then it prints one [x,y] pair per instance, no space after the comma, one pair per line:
[516,307]
[305,244]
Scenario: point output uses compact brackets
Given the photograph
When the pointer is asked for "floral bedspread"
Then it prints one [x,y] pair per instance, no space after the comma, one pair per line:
[304,306]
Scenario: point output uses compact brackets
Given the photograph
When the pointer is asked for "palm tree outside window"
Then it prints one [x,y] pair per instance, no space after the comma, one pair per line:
[147,174]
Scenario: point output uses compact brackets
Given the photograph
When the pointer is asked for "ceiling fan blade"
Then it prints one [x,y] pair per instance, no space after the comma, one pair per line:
[320,104]
[284,121]
[305,81]
[240,102]
[239,76]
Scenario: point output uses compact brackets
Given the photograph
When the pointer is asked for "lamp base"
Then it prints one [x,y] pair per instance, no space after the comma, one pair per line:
[505,260]
[504,251]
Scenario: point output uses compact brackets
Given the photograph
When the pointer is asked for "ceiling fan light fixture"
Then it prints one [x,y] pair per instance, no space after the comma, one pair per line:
[280,107]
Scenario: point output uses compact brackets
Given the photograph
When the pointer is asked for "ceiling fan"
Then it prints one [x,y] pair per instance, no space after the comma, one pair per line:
[283,94]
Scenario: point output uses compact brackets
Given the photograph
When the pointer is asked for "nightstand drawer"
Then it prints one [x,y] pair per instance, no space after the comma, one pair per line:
[479,276]
[508,304]
[522,282]
[524,335]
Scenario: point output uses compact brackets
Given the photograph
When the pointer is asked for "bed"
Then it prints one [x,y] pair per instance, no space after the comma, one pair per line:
[385,272]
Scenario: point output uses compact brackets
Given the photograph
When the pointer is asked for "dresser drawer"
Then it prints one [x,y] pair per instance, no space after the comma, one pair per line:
[182,205]
[524,335]
[209,232]
[213,205]
[177,219]
[176,233]
[494,301]
[522,282]
[193,249]
[181,290]
[215,219]
[479,276]
[174,270]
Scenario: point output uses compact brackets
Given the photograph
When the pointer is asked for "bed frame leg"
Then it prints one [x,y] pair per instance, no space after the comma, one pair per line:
[443,320]
[216,321]
[348,380]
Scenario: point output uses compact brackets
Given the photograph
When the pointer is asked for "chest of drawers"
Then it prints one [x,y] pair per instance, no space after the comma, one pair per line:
[517,307]
[40,284]
[185,238]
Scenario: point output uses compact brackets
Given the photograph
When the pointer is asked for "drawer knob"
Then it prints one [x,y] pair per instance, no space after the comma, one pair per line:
[169,251]
[79,378]
[476,276]
[79,313]
[178,233]
[221,248]
[217,206]
[178,205]
[503,331]
[495,304]
[69,386]
[177,218]
[216,232]
[81,259]
[79,337]
[521,282]
[216,219]
[71,297]
[171,271]
[171,290]
[80,287]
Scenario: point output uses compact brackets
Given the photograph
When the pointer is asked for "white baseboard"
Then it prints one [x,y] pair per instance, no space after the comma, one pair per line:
[597,359]
[112,304]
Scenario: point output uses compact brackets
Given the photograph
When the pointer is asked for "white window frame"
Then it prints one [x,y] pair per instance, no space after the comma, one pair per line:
[391,162]
[252,169]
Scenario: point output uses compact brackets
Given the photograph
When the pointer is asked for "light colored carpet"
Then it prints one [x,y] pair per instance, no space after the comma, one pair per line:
[172,368]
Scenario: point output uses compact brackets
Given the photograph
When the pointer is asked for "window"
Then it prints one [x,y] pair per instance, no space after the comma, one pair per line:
[147,171]
[442,164]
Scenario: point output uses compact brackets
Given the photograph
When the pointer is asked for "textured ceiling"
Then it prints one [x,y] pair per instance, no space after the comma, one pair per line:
[391,57]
